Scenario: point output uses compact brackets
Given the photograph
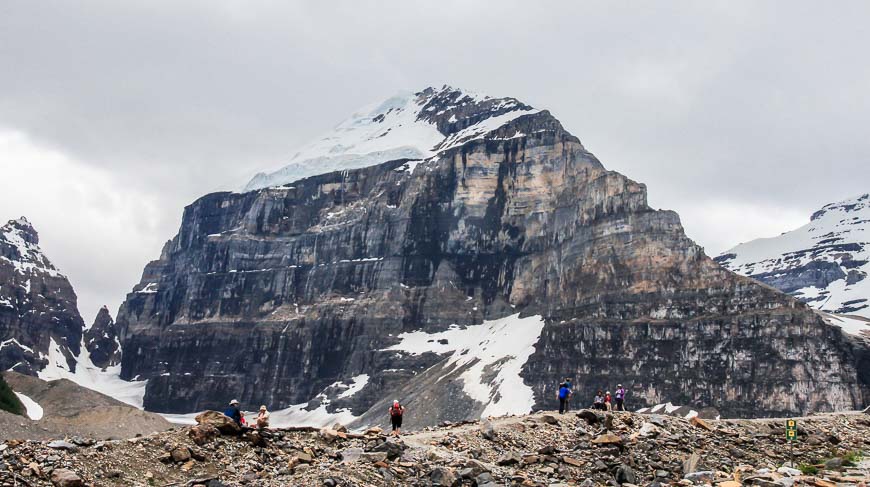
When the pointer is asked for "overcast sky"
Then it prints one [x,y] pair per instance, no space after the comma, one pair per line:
[744,117]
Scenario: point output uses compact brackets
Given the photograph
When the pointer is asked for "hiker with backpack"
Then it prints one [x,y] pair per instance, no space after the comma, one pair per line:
[564,395]
[620,398]
[234,412]
[396,412]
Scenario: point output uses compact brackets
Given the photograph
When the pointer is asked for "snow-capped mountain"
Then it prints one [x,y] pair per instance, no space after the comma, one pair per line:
[466,282]
[41,330]
[37,304]
[824,263]
[407,126]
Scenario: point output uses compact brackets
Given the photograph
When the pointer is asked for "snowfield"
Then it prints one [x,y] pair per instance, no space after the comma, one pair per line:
[831,254]
[504,344]
[386,131]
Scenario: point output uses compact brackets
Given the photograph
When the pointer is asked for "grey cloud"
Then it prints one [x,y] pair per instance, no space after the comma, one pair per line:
[759,108]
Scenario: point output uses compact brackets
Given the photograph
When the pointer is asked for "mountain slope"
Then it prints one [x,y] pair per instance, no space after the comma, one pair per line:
[38,313]
[824,263]
[465,284]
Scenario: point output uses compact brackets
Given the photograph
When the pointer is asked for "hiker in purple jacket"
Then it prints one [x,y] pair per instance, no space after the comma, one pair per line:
[620,398]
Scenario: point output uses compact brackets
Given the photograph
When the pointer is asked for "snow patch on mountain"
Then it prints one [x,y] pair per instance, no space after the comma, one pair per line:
[502,346]
[405,126]
[824,263]
[88,375]
[32,408]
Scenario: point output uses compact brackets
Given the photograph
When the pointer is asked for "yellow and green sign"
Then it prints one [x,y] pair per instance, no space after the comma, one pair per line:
[791,430]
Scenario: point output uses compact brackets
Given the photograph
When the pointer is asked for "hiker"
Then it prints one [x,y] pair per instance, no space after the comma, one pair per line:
[598,402]
[564,395]
[620,398]
[234,412]
[396,412]
[263,418]
[607,401]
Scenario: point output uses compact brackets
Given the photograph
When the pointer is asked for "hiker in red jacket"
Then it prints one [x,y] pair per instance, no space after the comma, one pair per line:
[396,412]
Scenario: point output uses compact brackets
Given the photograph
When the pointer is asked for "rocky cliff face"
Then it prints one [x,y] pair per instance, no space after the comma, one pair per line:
[466,283]
[824,263]
[101,341]
[38,314]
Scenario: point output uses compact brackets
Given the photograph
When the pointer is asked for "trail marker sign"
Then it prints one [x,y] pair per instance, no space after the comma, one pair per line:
[791,430]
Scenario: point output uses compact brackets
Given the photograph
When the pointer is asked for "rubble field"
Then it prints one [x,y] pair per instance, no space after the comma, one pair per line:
[581,448]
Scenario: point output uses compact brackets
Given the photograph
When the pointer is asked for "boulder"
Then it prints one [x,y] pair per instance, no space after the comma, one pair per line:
[203,433]
[488,431]
[591,417]
[219,420]
[393,449]
[625,475]
[63,477]
[549,419]
[443,477]
[180,454]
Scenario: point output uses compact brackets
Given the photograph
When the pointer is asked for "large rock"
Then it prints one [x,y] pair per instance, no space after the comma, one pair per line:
[63,477]
[512,225]
[219,420]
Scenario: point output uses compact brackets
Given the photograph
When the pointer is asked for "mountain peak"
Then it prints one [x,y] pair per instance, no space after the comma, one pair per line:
[824,263]
[850,205]
[408,125]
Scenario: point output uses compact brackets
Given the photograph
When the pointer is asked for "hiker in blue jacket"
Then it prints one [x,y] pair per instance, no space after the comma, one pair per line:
[564,395]
[234,412]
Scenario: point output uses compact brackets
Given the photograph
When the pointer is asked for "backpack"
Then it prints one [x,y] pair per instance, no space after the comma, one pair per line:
[396,410]
[563,392]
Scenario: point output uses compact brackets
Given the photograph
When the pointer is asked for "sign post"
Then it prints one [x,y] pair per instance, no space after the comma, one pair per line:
[791,437]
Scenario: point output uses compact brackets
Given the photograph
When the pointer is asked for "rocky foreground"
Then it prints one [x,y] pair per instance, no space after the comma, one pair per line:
[544,449]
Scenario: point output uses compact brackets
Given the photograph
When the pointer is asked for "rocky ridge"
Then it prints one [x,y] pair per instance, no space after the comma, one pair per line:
[585,448]
[825,263]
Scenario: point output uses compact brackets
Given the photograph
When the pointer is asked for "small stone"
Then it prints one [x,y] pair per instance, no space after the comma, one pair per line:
[703,476]
[607,439]
[700,423]
[573,461]
[509,459]
[63,445]
[546,450]
[791,472]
